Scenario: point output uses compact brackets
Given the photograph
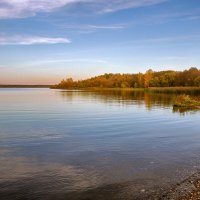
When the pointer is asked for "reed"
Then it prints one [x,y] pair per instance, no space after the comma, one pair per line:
[175,90]
[186,101]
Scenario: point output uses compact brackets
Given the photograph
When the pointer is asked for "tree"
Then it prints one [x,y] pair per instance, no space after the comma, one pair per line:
[197,81]
[167,78]
[147,78]
[140,82]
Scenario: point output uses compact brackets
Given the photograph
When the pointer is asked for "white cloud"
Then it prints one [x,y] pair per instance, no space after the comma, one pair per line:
[115,5]
[96,27]
[106,27]
[26,8]
[30,40]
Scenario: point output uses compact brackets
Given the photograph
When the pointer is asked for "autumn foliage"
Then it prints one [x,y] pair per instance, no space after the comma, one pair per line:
[151,78]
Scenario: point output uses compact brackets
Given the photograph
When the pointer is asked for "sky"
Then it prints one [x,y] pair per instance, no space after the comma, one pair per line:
[44,41]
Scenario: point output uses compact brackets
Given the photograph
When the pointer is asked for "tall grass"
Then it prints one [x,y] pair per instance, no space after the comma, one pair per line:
[175,90]
[164,90]
[186,101]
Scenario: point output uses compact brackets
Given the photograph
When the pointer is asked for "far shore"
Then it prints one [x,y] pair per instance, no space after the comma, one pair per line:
[25,86]
[168,90]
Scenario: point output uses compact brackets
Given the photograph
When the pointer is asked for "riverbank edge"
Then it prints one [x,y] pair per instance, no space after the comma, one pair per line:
[187,189]
[169,90]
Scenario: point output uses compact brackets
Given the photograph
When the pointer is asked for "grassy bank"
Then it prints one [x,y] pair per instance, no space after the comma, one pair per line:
[114,89]
[175,90]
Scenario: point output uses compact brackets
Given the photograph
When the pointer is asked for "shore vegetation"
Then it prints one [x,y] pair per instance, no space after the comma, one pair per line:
[187,102]
[153,81]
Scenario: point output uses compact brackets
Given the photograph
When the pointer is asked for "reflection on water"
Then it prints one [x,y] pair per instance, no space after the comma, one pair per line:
[139,98]
[93,144]
[122,97]
[184,110]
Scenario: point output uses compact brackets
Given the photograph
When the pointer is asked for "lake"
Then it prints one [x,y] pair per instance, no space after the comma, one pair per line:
[73,145]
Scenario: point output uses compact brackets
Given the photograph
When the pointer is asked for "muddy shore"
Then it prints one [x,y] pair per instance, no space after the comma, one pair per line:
[188,189]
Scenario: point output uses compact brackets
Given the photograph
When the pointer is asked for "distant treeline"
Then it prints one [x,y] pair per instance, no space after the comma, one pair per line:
[25,86]
[151,78]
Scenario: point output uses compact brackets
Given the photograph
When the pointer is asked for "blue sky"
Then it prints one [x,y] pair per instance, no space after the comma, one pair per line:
[43,41]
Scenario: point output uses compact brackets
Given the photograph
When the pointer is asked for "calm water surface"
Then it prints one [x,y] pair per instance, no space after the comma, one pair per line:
[93,145]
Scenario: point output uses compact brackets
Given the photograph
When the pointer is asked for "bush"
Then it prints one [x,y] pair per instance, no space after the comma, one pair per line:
[197,81]
[186,101]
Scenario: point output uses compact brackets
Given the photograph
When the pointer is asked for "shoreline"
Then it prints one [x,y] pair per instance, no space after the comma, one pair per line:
[149,89]
[25,86]
[187,189]
[162,90]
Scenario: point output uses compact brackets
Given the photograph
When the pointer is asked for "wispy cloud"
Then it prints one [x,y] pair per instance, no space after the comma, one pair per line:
[26,8]
[106,27]
[92,28]
[53,61]
[195,17]
[160,40]
[113,5]
[31,40]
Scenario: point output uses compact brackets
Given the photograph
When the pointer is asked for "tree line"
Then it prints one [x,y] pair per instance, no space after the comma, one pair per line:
[150,78]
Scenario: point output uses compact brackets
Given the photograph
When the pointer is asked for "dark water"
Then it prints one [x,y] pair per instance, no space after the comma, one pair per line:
[93,145]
